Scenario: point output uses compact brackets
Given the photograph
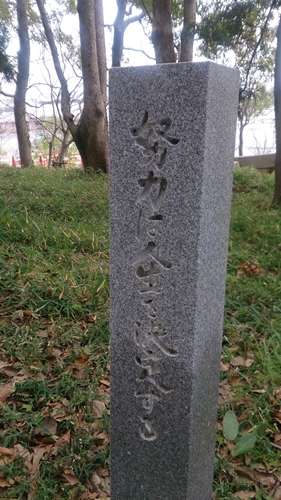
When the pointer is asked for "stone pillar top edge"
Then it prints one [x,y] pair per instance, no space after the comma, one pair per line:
[207,63]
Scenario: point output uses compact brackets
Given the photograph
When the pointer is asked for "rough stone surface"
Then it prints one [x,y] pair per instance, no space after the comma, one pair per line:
[172,131]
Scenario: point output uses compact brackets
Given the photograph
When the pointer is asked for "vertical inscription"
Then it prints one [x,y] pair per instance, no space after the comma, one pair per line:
[150,336]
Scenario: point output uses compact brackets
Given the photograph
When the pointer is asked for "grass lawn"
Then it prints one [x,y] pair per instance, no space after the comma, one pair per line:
[54,334]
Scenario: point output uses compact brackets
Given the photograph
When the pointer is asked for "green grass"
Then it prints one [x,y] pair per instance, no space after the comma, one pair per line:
[53,331]
[54,338]
[252,331]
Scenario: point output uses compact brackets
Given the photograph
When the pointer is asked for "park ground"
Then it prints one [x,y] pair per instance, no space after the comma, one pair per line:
[54,337]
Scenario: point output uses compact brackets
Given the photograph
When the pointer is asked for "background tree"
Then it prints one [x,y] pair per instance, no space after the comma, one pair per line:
[252,103]
[276,202]
[122,21]
[162,33]
[188,31]
[90,134]
[53,129]
[172,28]
[6,66]
[254,20]
[230,34]
[21,85]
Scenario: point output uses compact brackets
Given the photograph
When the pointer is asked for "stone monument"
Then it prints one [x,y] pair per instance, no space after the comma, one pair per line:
[172,133]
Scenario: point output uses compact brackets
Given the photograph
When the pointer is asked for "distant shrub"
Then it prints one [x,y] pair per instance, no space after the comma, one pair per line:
[248,179]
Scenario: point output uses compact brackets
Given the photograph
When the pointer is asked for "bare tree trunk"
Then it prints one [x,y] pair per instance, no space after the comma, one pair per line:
[65,96]
[187,34]
[276,202]
[91,136]
[65,143]
[21,85]
[50,153]
[162,33]
[120,25]
[118,37]
[91,133]
[241,142]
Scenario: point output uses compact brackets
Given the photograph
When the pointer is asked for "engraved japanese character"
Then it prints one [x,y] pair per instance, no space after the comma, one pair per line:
[148,398]
[148,301]
[148,250]
[147,137]
[154,230]
[154,224]
[154,335]
[149,276]
[146,431]
[150,368]
[147,184]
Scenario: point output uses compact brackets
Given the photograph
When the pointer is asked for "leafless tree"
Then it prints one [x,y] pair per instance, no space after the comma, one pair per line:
[90,134]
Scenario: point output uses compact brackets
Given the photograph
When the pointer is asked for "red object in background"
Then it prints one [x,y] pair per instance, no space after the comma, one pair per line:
[15,163]
[42,161]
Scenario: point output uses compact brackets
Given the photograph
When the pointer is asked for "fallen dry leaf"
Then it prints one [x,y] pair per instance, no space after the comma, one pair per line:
[33,490]
[18,314]
[64,439]
[277,438]
[105,382]
[224,390]
[237,361]
[5,391]
[70,477]
[95,480]
[260,467]
[102,438]
[6,452]
[21,452]
[106,484]
[3,364]
[277,416]
[266,478]
[277,494]
[235,381]
[10,371]
[225,367]
[249,362]
[5,484]
[42,333]
[91,318]
[98,408]
[244,471]
[47,427]
[28,313]
[38,454]
[250,268]
[245,495]
[102,471]
[79,373]
[277,393]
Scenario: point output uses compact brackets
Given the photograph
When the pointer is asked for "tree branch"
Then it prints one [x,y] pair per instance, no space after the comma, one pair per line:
[146,10]
[273,4]
[5,94]
[140,50]
[134,19]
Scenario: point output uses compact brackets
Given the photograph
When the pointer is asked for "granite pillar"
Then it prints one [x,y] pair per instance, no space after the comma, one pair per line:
[172,133]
